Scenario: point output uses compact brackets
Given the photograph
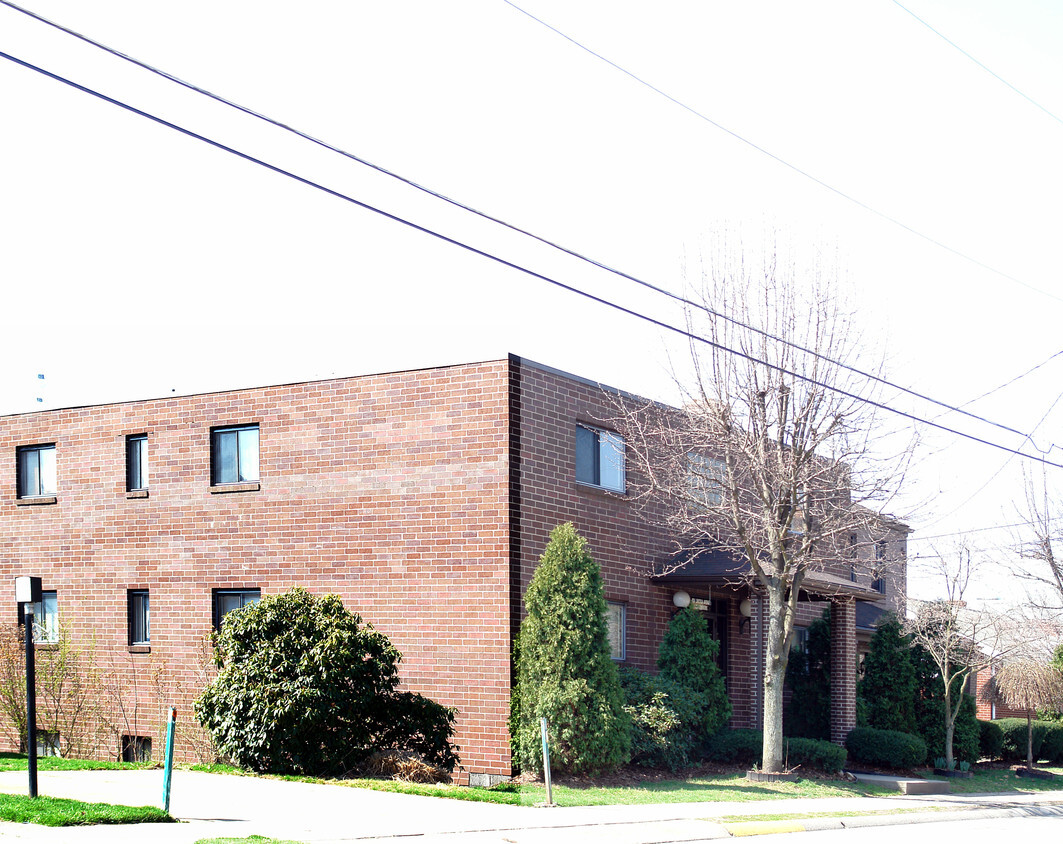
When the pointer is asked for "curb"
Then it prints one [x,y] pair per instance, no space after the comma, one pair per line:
[742,829]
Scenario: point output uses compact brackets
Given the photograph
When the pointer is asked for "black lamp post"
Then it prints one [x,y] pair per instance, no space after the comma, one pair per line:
[28,593]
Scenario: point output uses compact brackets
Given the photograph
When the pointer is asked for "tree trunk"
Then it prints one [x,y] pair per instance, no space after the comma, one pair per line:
[1029,740]
[776,657]
[950,728]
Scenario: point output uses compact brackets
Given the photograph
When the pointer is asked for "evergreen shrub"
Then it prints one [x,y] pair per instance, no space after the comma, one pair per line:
[1015,738]
[687,657]
[886,748]
[565,673]
[736,747]
[303,687]
[664,720]
[1052,745]
[813,754]
[990,740]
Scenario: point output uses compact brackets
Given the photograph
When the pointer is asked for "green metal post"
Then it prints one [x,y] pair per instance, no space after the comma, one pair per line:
[171,728]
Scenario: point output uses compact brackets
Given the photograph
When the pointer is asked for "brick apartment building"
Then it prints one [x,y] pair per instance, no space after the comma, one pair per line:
[422,498]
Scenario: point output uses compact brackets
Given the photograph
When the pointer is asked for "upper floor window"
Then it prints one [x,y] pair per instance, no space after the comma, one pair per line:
[227,600]
[36,470]
[705,478]
[879,583]
[136,462]
[46,619]
[616,625]
[852,556]
[600,458]
[139,617]
[234,454]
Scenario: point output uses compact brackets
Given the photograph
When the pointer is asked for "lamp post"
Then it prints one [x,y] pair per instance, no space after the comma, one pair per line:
[28,593]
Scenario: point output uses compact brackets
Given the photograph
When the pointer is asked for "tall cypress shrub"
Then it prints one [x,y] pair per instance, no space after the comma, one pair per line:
[807,715]
[889,688]
[565,672]
[687,657]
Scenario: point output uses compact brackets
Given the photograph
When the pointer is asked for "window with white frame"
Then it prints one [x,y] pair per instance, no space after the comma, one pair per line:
[139,617]
[234,454]
[46,619]
[136,462]
[705,478]
[600,458]
[616,624]
[879,583]
[36,471]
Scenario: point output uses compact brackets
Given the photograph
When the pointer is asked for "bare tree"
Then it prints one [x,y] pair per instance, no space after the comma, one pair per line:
[773,451]
[1041,544]
[961,640]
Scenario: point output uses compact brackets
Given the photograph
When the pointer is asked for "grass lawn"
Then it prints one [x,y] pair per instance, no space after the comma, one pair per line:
[253,839]
[57,811]
[992,780]
[17,762]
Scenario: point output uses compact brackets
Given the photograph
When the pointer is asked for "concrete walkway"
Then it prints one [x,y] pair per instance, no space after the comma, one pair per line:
[215,805]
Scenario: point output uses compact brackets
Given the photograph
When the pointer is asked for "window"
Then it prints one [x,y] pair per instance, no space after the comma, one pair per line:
[234,455]
[616,623]
[227,600]
[136,748]
[878,584]
[705,478]
[47,743]
[600,458]
[799,642]
[139,617]
[36,471]
[46,619]
[852,556]
[136,462]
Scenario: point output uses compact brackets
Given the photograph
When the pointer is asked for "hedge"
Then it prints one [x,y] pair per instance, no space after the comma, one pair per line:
[1014,730]
[888,748]
[813,753]
[1052,746]
[738,747]
[990,740]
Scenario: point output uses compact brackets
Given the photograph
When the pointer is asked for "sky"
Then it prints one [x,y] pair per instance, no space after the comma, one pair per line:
[140,262]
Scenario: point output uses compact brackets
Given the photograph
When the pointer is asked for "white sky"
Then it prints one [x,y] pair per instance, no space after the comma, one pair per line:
[137,262]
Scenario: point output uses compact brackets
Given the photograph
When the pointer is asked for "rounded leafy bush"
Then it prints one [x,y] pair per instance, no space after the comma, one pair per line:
[665,719]
[990,740]
[1016,737]
[305,687]
[565,672]
[738,747]
[1052,746]
[888,748]
[814,754]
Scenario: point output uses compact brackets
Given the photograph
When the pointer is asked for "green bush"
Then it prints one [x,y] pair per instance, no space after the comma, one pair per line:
[736,747]
[687,657]
[1015,738]
[565,673]
[886,748]
[661,714]
[887,692]
[813,754]
[807,714]
[304,687]
[1052,746]
[990,740]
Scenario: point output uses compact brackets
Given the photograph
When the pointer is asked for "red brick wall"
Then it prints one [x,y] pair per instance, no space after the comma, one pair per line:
[389,490]
[551,404]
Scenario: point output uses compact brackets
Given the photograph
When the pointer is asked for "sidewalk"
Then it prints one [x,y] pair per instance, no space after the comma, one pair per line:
[219,805]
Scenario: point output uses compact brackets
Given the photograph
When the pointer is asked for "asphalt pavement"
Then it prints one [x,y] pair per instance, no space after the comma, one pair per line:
[216,805]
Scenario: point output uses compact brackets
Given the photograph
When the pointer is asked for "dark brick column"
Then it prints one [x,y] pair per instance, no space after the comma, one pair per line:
[842,668]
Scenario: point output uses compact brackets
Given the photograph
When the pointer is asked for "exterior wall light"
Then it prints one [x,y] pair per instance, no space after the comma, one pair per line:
[746,610]
[681,599]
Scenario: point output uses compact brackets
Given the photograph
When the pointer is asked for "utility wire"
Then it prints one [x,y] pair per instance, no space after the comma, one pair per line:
[992,73]
[763,151]
[511,265]
[552,244]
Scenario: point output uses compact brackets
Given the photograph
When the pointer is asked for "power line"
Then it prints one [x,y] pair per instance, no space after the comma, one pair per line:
[991,72]
[779,160]
[552,244]
[689,335]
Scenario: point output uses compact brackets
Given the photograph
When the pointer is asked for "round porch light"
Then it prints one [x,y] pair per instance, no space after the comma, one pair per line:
[681,599]
[746,608]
